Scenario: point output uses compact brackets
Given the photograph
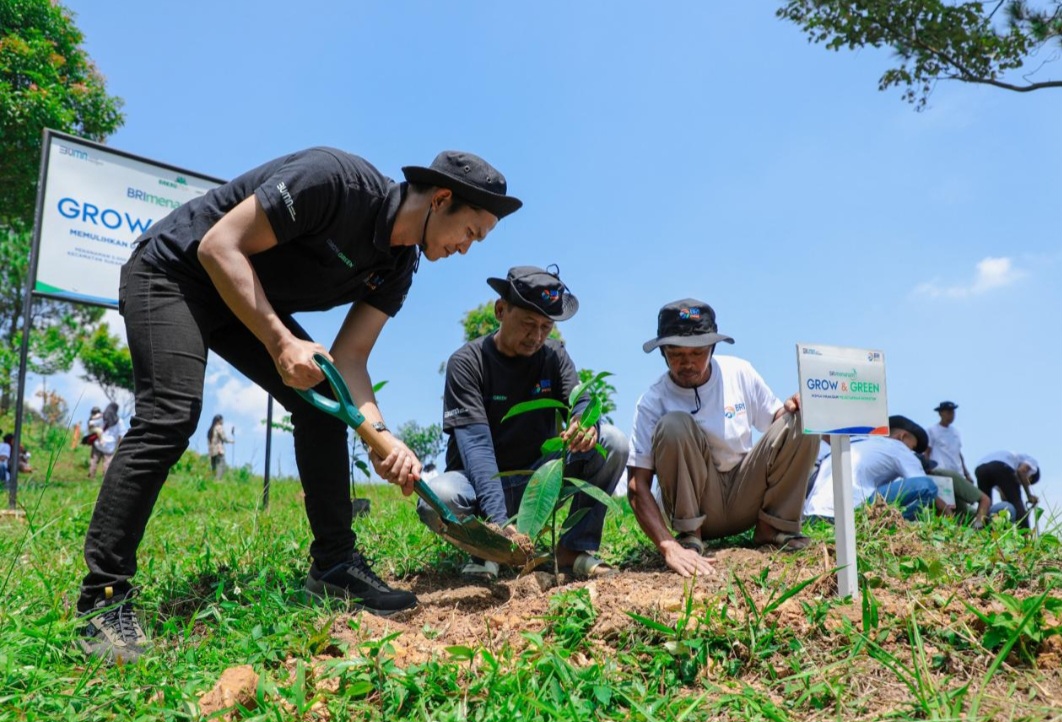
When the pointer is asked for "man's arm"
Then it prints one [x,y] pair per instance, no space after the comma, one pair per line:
[354,342]
[225,253]
[684,561]
[962,461]
[476,447]
[1023,477]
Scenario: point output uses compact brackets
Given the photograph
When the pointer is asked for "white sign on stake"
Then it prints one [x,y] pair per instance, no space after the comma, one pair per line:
[842,393]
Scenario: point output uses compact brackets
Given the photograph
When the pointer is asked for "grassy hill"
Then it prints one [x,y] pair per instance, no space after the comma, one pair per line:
[952,624]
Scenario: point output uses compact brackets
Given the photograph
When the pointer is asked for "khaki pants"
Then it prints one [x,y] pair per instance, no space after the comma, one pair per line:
[769,484]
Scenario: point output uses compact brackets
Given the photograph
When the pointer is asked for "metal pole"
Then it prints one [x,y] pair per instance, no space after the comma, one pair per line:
[844,516]
[27,322]
[268,452]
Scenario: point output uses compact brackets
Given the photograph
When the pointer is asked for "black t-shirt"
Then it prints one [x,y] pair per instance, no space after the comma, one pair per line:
[332,213]
[482,385]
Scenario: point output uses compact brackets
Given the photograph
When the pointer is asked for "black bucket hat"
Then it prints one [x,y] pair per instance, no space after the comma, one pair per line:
[689,323]
[921,437]
[538,290]
[946,406]
[468,176]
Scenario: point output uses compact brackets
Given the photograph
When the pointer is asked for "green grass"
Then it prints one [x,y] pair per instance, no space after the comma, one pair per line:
[954,623]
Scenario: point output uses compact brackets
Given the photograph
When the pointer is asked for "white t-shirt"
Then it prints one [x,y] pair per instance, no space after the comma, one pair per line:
[107,443]
[876,460]
[735,399]
[945,447]
[1012,460]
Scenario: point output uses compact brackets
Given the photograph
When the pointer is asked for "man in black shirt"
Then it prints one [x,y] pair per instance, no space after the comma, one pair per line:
[225,272]
[487,377]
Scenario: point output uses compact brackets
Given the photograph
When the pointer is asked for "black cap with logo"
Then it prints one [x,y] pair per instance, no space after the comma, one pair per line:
[538,290]
[688,322]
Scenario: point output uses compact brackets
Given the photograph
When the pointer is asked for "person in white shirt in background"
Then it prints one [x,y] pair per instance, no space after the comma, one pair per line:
[111,432]
[1005,470]
[882,466]
[693,431]
[945,443]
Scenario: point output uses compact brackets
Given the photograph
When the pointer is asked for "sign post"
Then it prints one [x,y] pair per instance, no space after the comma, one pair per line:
[842,394]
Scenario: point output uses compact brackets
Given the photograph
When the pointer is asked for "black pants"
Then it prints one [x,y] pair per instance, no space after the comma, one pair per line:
[170,325]
[996,474]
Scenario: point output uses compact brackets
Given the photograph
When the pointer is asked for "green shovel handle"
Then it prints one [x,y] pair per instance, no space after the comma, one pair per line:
[344,408]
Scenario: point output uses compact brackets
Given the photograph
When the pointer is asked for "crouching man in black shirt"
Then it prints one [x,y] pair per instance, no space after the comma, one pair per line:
[225,272]
[487,377]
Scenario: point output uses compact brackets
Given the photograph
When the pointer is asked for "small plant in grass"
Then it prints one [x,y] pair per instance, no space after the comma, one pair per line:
[1022,620]
[549,491]
[571,616]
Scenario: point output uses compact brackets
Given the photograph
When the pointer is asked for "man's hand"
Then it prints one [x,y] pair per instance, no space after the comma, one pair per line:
[578,438]
[401,467]
[295,364]
[789,406]
[1033,500]
[686,561]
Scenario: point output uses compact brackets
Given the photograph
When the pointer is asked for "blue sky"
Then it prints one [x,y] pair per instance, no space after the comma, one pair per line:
[663,151]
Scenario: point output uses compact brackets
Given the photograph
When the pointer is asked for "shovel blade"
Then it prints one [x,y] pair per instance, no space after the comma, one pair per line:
[479,540]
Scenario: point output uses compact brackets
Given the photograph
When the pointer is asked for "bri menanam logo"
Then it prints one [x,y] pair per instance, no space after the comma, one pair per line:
[690,314]
[542,387]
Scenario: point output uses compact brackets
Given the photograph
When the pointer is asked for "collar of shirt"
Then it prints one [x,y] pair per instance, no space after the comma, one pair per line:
[385,221]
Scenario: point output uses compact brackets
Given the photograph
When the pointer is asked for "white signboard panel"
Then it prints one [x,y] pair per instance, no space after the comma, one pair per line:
[842,390]
[95,202]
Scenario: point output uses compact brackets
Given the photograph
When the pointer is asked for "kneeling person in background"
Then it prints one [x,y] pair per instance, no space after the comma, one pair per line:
[487,377]
[885,467]
[693,430]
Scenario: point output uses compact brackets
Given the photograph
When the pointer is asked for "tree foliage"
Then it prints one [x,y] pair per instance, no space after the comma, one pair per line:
[972,42]
[107,363]
[424,441]
[46,81]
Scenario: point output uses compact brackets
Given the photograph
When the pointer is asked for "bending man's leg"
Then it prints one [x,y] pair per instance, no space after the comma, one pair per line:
[168,351]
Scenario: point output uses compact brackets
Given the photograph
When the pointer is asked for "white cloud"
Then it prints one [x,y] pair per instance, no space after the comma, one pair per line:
[990,274]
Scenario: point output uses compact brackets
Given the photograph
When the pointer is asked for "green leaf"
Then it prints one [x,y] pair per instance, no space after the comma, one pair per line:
[377,386]
[524,406]
[540,498]
[461,653]
[591,414]
[595,493]
[552,446]
[574,518]
[652,624]
[578,391]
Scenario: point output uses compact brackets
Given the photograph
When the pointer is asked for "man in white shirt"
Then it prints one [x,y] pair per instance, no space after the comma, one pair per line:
[885,466]
[693,431]
[1005,470]
[945,444]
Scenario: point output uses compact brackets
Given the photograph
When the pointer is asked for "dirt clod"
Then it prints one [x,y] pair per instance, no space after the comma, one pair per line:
[237,685]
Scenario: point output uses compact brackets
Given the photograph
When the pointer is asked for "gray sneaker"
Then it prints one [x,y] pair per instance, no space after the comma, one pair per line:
[356,582]
[112,630]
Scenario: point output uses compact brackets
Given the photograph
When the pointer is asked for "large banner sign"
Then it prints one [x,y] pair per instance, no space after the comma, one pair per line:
[842,390]
[95,202]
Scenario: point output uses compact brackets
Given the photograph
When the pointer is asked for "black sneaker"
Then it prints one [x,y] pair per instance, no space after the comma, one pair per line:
[112,630]
[355,581]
